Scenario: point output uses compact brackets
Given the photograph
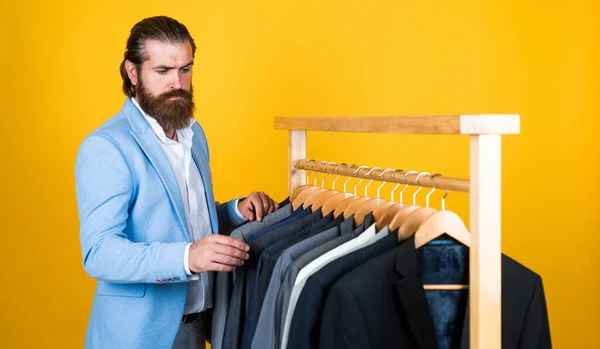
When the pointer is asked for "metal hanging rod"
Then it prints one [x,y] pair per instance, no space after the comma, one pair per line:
[432,181]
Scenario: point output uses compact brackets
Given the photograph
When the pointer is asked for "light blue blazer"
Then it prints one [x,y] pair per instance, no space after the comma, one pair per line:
[133,231]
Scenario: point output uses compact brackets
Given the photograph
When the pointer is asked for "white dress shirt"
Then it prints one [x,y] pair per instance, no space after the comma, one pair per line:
[368,237]
[191,188]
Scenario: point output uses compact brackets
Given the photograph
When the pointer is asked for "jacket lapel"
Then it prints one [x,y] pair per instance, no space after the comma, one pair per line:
[411,297]
[146,139]
[201,160]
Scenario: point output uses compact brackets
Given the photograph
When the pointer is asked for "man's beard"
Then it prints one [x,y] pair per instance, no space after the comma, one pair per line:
[170,114]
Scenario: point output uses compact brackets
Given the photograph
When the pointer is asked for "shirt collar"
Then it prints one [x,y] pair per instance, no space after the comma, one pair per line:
[185,133]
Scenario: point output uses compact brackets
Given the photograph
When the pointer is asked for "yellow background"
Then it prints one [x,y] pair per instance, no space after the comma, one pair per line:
[60,80]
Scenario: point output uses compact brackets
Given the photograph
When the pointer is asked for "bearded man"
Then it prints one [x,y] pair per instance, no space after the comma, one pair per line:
[149,224]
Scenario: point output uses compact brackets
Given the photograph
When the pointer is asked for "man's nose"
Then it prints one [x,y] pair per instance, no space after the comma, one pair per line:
[176,83]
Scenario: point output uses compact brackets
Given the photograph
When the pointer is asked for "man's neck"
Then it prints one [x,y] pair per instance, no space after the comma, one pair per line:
[172,134]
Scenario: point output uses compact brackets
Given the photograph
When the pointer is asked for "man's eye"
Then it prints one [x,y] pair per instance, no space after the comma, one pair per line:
[162,71]
[185,70]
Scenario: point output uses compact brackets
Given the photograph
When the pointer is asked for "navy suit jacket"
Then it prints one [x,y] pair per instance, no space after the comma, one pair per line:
[306,322]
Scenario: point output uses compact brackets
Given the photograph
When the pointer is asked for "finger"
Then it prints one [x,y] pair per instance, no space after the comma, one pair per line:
[258,207]
[229,241]
[226,260]
[271,202]
[266,201]
[231,251]
[246,211]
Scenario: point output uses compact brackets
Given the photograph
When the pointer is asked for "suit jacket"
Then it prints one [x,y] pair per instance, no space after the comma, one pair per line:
[245,275]
[224,281]
[133,231]
[266,264]
[347,232]
[382,304]
[306,322]
[368,237]
[264,335]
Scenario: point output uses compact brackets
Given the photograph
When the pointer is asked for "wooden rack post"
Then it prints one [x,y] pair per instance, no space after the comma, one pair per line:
[485,196]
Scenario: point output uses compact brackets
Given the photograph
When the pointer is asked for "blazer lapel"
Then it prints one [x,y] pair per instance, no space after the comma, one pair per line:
[206,180]
[411,297]
[146,139]
[200,157]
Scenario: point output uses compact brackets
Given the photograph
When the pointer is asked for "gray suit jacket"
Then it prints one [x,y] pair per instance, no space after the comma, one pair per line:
[246,275]
[347,232]
[224,281]
[264,336]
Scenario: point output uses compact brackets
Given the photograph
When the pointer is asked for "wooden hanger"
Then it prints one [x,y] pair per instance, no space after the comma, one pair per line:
[385,218]
[339,202]
[370,205]
[312,197]
[380,210]
[358,204]
[384,214]
[308,191]
[437,224]
[352,208]
[403,213]
[321,198]
[333,202]
[301,188]
[401,216]
[416,217]
[344,204]
[413,222]
[377,206]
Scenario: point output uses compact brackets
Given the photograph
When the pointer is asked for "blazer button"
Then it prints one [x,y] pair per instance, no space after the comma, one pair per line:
[159,280]
[176,278]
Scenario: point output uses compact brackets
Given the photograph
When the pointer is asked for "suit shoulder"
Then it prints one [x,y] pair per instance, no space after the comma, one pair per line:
[116,130]
[517,271]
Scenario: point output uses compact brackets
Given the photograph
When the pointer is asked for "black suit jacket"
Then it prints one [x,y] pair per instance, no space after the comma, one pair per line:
[382,304]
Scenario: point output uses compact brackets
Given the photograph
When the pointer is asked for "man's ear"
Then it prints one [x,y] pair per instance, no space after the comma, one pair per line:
[131,72]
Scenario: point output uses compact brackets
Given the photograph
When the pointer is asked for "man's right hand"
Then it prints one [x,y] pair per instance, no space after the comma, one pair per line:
[217,253]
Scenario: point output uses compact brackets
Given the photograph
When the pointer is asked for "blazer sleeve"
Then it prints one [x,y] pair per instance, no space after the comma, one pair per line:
[228,216]
[343,322]
[536,330]
[104,190]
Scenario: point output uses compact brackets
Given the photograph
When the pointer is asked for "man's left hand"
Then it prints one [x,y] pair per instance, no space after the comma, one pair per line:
[256,206]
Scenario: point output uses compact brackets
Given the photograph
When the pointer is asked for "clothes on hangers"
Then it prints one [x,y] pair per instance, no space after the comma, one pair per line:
[224,281]
[244,279]
[290,276]
[307,321]
[266,264]
[382,304]
[320,282]
[368,237]
[292,261]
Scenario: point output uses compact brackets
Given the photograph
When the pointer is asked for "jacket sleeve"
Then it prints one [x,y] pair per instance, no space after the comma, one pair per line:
[536,329]
[229,219]
[104,190]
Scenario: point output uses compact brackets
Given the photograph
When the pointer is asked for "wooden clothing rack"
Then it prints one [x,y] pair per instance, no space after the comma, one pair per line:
[485,133]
